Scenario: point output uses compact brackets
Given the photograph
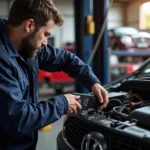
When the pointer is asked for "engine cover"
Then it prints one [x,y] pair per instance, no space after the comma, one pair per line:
[142,116]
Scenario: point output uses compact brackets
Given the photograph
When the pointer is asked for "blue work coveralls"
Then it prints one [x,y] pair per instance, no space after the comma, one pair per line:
[21,115]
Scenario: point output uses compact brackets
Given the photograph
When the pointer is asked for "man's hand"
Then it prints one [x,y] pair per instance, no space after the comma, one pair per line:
[73,105]
[101,94]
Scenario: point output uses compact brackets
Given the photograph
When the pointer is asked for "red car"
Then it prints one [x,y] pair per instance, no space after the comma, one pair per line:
[56,79]
[124,38]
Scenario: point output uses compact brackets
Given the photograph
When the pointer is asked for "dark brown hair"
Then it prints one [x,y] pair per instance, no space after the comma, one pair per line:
[40,10]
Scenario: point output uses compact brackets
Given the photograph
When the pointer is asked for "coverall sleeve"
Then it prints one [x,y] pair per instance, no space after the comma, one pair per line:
[17,117]
[53,59]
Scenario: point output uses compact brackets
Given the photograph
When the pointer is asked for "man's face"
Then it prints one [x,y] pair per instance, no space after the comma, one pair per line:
[36,40]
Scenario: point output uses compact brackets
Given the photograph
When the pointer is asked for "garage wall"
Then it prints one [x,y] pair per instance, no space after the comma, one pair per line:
[3,9]
[65,33]
[132,14]
[115,16]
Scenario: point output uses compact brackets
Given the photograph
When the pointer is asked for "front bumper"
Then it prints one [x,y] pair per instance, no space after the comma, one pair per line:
[61,145]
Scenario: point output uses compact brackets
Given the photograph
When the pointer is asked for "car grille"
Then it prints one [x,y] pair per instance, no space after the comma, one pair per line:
[125,143]
[76,129]
[139,40]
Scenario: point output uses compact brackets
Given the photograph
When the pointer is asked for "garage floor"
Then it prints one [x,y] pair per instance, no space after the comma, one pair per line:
[47,139]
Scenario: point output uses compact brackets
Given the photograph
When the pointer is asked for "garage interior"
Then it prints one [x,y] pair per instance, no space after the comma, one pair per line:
[88,28]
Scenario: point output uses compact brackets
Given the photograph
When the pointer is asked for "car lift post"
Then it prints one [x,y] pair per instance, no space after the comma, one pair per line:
[83,39]
[101,59]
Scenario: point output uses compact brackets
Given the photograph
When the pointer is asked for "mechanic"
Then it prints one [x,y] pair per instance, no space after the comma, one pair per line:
[24,50]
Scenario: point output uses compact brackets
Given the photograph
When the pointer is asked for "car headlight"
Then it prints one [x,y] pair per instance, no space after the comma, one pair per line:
[126,40]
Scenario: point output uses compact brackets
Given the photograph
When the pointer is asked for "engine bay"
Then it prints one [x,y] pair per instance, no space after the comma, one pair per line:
[129,100]
[133,103]
[123,124]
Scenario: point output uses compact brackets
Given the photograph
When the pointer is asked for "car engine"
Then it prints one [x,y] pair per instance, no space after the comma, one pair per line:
[123,125]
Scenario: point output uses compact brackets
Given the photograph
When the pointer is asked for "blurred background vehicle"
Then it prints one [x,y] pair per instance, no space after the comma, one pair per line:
[123,38]
[57,80]
[69,46]
[121,69]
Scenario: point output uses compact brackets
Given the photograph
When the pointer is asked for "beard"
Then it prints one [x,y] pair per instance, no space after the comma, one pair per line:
[28,46]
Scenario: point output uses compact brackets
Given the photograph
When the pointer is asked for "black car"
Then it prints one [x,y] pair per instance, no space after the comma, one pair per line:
[123,125]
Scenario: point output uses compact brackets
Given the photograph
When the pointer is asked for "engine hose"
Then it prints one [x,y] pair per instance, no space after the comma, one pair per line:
[116,111]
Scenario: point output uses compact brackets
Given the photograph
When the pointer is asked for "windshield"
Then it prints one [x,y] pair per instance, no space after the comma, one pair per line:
[126,31]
